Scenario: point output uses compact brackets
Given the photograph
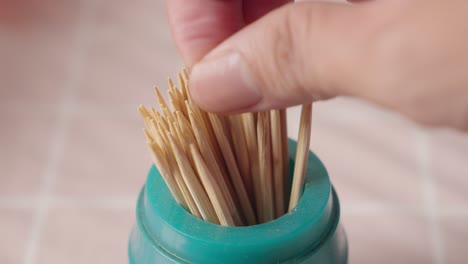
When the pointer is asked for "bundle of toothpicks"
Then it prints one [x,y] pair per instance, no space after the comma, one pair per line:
[228,170]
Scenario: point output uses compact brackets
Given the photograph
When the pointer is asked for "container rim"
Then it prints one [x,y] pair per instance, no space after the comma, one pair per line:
[302,230]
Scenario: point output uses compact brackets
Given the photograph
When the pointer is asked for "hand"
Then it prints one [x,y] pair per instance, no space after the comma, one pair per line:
[409,56]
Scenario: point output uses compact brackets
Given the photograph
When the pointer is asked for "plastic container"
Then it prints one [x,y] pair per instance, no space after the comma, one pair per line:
[311,233]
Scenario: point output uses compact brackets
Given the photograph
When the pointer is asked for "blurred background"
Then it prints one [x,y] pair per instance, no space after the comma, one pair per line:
[73,158]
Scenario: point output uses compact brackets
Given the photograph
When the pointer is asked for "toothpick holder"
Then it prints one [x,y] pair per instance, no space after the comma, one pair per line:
[310,233]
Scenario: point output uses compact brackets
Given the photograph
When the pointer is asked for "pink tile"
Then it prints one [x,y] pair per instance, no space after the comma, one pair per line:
[449,167]
[85,235]
[388,238]
[105,154]
[370,154]
[36,43]
[15,226]
[129,51]
[455,236]
[25,139]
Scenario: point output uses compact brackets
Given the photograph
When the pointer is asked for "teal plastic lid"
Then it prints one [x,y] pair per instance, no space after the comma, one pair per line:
[189,239]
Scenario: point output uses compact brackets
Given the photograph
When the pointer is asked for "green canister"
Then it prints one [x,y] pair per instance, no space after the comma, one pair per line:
[310,233]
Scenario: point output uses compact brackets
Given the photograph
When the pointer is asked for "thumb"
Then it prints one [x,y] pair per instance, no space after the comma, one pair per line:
[296,54]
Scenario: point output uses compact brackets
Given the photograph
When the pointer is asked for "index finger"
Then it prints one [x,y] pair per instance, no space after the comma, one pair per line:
[200,25]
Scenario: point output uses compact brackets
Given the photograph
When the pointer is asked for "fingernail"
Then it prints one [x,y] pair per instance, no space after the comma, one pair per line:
[224,83]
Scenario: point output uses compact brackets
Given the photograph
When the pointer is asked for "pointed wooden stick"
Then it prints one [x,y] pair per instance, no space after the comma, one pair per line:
[185,74]
[150,138]
[173,133]
[284,148]
[185,136]
[147,119]
[177,99]
[154,114]
[143,112]
[212,189]
[203,119]
[161,163]
[302,156]
[250,130]
[159,119]
[171,85]
[277,159]
[193,208]
[167,115]
[221,178]
[182,85]
[174,101]
[180,138]
[196,189]
[165,152]
[240,149]
[162,136]
[160,98]
[233,169]
[264,158]
[186,127]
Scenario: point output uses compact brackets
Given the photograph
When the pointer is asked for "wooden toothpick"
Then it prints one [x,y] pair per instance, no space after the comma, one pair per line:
[302,156]
[264,158]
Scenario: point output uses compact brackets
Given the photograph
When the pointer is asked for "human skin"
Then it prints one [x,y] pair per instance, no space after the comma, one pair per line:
[407,56]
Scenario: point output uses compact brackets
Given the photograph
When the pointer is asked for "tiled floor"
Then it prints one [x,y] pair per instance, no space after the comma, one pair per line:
[123,54]
[455,231]
[26,135]
[101,153]
[15,226]
[72,155]
[349,142]
[388,237]
[37,39]
[84,235]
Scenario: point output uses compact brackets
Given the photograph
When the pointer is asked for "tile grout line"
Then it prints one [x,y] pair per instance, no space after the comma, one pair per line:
[58,201]
[128,202]
[57,146]
[430,196]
